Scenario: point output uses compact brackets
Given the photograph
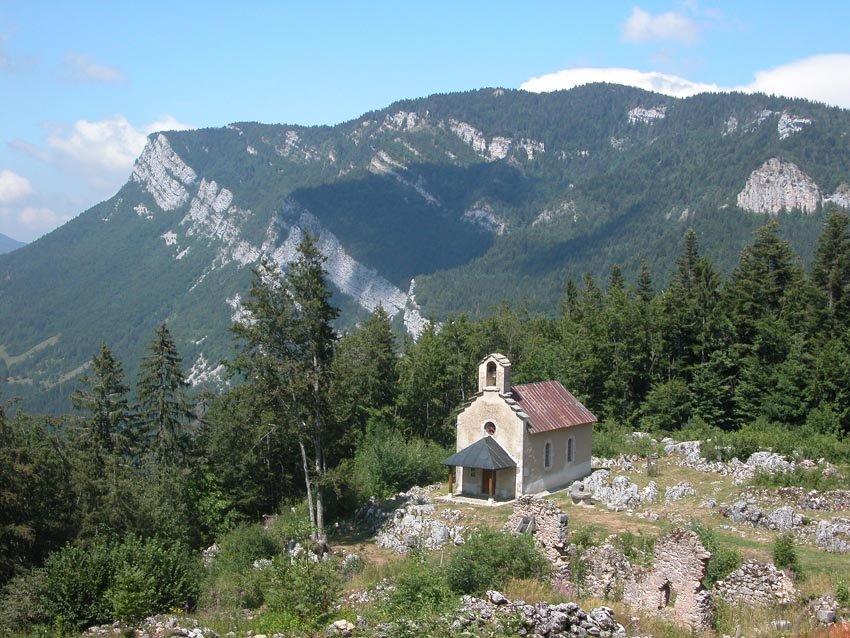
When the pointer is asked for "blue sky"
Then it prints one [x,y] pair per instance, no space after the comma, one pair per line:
[82,83]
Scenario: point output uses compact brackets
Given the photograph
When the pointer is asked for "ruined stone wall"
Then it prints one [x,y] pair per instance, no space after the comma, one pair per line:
[672,587]
[756,584]
[549,529]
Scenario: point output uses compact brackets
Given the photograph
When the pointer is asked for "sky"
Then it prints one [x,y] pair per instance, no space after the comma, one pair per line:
[83,83]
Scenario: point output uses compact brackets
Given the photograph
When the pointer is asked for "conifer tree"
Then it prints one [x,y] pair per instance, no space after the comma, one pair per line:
[286,351]
[107,446]
[162,401]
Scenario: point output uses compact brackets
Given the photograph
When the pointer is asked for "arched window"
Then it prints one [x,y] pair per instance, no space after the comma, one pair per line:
[547,455]
[571,444]
[491,374]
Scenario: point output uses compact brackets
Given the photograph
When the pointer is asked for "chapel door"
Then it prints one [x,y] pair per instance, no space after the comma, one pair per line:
[488,482]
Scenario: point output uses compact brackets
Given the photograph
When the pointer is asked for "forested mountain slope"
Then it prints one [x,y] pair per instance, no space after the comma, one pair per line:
[441,204]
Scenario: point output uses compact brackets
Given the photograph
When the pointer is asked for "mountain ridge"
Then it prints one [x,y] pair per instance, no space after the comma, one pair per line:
[7,244]
[434,205]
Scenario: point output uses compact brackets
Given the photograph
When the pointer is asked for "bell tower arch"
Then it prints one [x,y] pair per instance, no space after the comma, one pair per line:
[494,374]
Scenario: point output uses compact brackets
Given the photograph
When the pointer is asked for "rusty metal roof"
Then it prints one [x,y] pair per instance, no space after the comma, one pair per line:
[550,406]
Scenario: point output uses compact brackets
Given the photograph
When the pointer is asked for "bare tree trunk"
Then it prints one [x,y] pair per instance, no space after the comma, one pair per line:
[309,489]
[320,511]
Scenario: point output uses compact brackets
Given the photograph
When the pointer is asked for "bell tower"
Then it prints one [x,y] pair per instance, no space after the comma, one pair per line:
[494,374]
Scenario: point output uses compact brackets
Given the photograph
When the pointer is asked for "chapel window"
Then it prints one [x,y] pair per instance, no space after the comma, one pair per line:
[547,455]
[491,373]
[570,449]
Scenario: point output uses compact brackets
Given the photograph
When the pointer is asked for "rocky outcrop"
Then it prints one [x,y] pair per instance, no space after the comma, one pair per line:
[618,494]
[672,586]
[778,186]
[481,214]
[382,164]
[840,198]
[564,209]
[782,519]
[351,277]
[499,147]
[789,124]
[641,115]
[161,172]
[542,619]
[833,535]
[679,491]
[756,584]
[418,525]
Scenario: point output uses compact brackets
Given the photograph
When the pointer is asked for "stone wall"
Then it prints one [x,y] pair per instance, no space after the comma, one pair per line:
[548,526]
[607,570]
[672,587]
[756,584]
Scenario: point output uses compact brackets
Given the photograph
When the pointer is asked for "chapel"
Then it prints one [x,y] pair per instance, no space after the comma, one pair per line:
[516,440]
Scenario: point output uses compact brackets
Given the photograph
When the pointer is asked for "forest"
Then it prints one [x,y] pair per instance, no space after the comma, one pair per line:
[104,512]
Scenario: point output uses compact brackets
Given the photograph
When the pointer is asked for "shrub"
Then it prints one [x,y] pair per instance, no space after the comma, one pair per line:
[490,558]
[303,587]
[724,560]
[421,589]
[77,580]
[21,602]
[387,461]
[636,547]
[611,439]
[95,583]
[242,545]
[842,594]
[151,575]
[785,554]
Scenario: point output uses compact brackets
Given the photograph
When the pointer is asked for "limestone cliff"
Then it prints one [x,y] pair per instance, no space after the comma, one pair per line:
[776,186]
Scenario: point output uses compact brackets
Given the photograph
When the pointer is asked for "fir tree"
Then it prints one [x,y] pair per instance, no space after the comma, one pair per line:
[162,401]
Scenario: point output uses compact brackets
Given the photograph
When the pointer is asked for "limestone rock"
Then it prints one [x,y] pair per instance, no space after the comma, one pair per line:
[833,535]
[161,172]
[778,186]
[607,570]
[756,584]
[678,491]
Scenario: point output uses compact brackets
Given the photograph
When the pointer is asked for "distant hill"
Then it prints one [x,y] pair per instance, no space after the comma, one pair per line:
[447,203]
[7,244]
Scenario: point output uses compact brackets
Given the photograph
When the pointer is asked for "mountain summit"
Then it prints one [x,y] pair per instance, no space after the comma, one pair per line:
[441,204]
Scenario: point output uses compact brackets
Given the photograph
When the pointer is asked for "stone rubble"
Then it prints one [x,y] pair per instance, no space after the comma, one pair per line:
[549,526]
[160,626]
[782,519]
[417,524]
[542,619]
[618,495]
[679,491]
[756,584]
[833,535]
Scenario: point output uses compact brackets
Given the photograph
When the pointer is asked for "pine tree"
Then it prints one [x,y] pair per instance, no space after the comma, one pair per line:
[107,446]
[162,401]
[831,271]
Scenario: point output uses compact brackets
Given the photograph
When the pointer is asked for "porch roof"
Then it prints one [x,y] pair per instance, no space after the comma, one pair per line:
[484,454]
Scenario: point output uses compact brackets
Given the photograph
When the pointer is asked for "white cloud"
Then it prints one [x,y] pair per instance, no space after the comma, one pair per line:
[641,26]
[824,78]
[40,219]
[81,67]
[649,81]
[13,187]
[112,144]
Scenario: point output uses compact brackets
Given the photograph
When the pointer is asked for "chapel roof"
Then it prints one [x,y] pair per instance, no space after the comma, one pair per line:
[485,454]
[550,406]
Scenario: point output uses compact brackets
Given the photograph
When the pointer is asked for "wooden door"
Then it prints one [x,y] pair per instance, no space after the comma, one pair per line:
[488,482]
